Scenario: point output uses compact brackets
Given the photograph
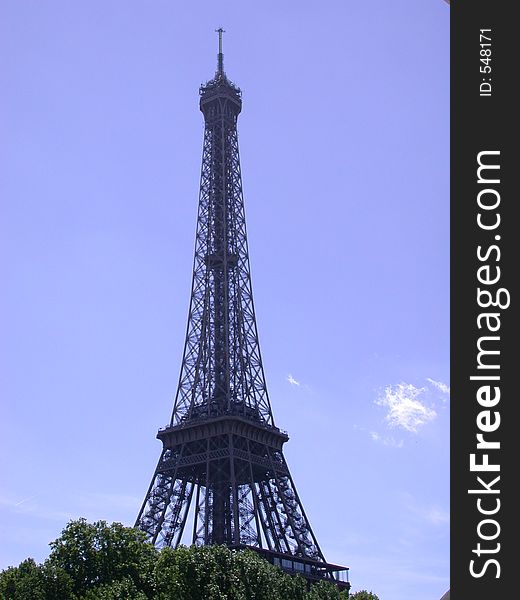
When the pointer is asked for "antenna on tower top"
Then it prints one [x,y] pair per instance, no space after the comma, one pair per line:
[220,69]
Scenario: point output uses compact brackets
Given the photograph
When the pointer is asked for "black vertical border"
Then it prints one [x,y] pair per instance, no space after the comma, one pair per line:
[480,124]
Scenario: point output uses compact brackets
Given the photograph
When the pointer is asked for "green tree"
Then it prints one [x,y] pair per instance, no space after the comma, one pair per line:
[260,580]
[30,581]
[97,561]
[99,554]
[363,595]
[117,590]
[325,590]
[24,582]
[217,573]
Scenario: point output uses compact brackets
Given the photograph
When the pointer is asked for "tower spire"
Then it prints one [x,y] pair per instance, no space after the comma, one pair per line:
[220,68]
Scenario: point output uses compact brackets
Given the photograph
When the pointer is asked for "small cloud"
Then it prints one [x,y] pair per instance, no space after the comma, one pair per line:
[292,380]
[437,516]
[31,506]
[375,436]
[442,387]
[405,410]
[433,514]
[24,500]
[386,440]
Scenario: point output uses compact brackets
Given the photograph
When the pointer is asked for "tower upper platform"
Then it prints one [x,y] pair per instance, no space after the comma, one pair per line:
[220,87]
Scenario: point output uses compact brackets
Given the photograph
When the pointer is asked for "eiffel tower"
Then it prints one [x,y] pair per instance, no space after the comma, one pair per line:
[222,452]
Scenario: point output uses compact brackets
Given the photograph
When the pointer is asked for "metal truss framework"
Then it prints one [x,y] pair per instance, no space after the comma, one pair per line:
[222,453]
[235,473]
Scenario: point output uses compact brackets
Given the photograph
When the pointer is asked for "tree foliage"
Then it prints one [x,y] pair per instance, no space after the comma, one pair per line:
[96,555]
[98,561]
[363,595]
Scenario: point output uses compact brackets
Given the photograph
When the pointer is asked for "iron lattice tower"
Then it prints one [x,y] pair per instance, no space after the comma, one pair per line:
[222,453]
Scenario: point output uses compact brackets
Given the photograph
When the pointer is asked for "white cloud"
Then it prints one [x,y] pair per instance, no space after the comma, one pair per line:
[437,516]
[442,387]
[405,410]
[292,380]
[32,506]
[386,440]
[28,499]
[432,514]
[91,505]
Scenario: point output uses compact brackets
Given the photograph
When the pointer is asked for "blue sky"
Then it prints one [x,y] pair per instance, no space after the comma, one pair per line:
[344,141]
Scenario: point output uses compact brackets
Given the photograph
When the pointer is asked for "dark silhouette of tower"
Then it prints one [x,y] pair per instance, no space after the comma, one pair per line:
[222,453]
